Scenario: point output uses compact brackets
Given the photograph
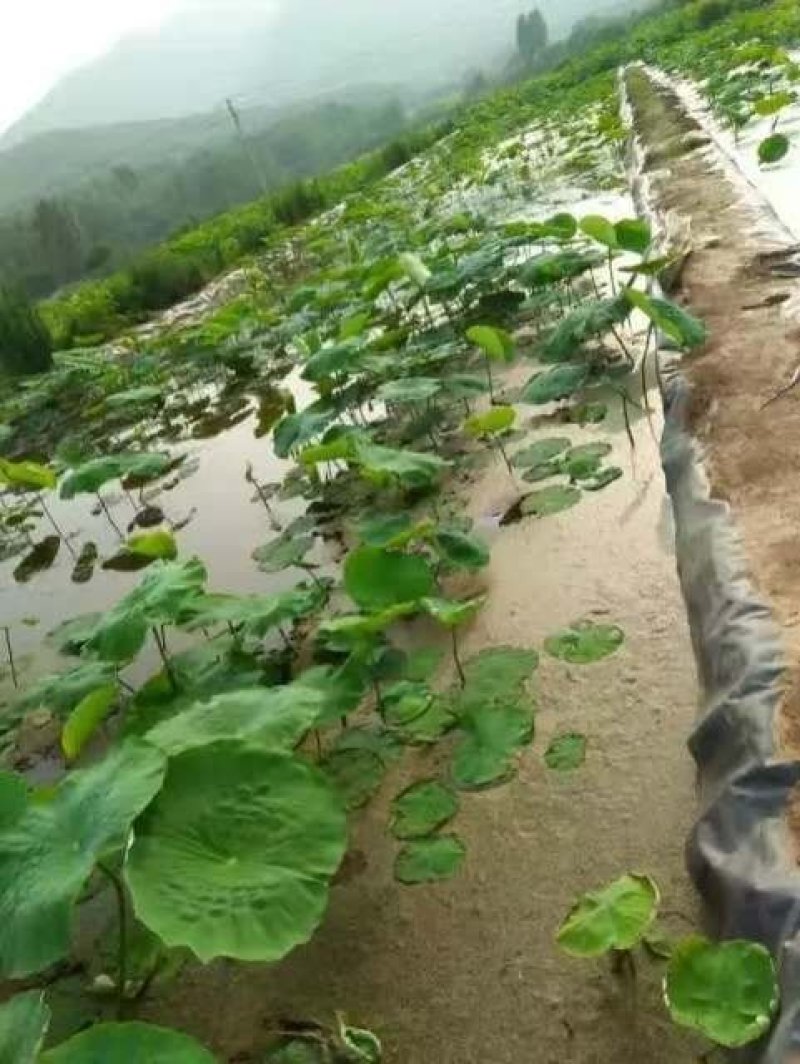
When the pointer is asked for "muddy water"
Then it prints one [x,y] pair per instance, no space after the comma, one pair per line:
[466,972]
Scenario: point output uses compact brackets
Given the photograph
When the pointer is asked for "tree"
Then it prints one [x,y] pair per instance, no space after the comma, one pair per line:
[532,34]
[60,238]
[25,342]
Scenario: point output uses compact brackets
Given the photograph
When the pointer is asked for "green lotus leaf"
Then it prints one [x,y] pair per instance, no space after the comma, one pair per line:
[339,449]
[422,808]
[70,636]
[493,736]
[353,628]
[549,501]
[342,689]
[61,692]
[393,531]
[602,479]
[599,229]
[562,226]
[337,361]
[297,1051]
[92,475]
[495,343]
[543,471]
[551,267]
[48,853]
[566,752]
[614,918]
[296,429]
[28,475]
[157,544]
[378,579]
[773,148]
[464,386]
[235,855]
[588,413]
[541,451]
[282,552]
[376,740]
[129,1043]
[13,798]
[429,860]
[414,268]
[584,642]
[23,1024]
[591,319]
[409,390]
[275,718]
[412,469]
[363,1046]
[677,323]
[581,467]
[147,393]
[554,384]
[404,701]
[460,550]
[492,423]
[420,665]
[453,614]
[258,614]
[600,449]
[356,775]
[633,234]
[86,718]
[498,675]
[726,990]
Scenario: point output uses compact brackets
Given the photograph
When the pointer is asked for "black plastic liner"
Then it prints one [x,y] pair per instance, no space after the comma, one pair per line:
[740,853]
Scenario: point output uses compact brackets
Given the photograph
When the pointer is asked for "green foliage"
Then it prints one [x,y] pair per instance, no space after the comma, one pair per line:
[125,1043]
[429,860]
[378,579]
[584,642]
[615,918]
[25,342]
[773,148]
[494,422]
[566,752]
[23,1024]
[86,718]
[422,809]
[495,343]
[549,501]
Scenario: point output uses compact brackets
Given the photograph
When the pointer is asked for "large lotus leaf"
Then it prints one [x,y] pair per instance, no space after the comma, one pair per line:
[614,918]
[726,990]
[393,531]
[592,319]
[61,692]
[429,860]
[584,642]
[92,475]
[258,614]
[558,383]
[234,857]
[494,734]
[23,1024]
[541,451]
[422,808]
[409,390]
[497,420]
[495,343]
[376,579]
[677,323]
[497,675]
[411,468]
[342,689]
[282,553]
[296,429]
[28,475]
[549,501]
[275,718]
[129,1043]
[48,853]
[460,550]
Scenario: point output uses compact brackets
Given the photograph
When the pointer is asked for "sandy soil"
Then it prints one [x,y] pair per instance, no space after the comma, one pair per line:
[467,972]
[731,281]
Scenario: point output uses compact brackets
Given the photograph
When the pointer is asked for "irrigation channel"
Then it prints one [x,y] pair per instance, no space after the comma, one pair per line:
[550,531]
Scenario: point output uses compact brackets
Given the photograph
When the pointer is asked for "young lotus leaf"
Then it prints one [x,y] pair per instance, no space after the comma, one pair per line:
[614,918]
[376,740]
[362,1045]
[49,851]
[92,475]
[61,692]
[86,718]
[590,450]
[464,386]
[392,531]
[28,475]
[412,469]
[429,860]
[558,383]
[461,551]
[355,628]
[540,472]
[633,234]
[566,752]
[584,642]
[409,390]
[356,775]
[602,479]
[773,148]
[495,421]
[493,736]
[669,317]
[588,413]
[377,579]
[549,501]
[593,318]
[258,614]
[235,855]
[296,429]
[275,718]
[158,544]
[726,990]
[496,344]
[580,467]
[453,614]
[339,361]
[552,267]
[342,689]
[422,808]
[562,226]
[23,1024]
[129,1043]
[541,451]
[599,229]
[283,552]
[497,675]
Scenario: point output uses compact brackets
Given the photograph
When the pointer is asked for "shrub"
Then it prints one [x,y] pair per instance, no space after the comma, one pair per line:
[26,345]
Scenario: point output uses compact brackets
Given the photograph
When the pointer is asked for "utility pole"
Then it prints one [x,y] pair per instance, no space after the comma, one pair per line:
[246,147]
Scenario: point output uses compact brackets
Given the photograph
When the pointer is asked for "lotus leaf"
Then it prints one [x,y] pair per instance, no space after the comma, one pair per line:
[422,808]
[429,860]
[614,918]
[23,1024]
[584,642]
[129,1043]
[377,579]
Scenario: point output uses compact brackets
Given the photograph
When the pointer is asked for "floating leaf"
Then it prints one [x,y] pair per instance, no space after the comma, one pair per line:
[158,544]
[376,579]
[235,855]
[548,501]
[497,675]
[584,642]
[86,718]
[633,234]
[429,860]
[49,851]
[412,469]
[773,148]
[356,775]
[496,344]
[497,420]
[726,990]
[422,808]
[494,734]
[602,479]
[541,451]
[566,752]
[129,1043]
[282,553]
[558,383]
[23,1024]
[588,413]
[614,918]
